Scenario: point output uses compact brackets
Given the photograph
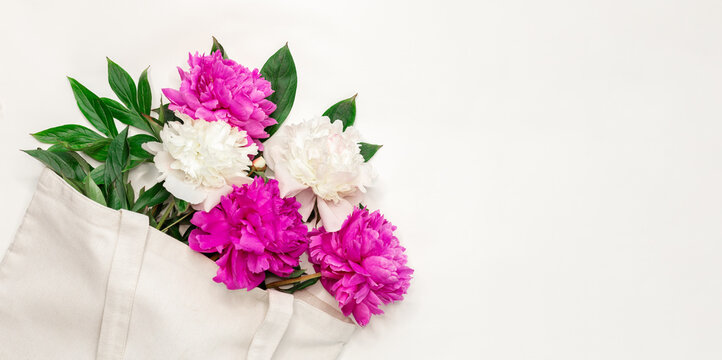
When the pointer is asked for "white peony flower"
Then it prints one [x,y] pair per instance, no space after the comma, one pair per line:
[319,163]
[200,160]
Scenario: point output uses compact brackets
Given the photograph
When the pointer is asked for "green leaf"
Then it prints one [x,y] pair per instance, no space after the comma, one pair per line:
[152,222]
[306,284]
[93,191]
[136,142]
[133,162]
[122,84]
[300,286]
[296,273]
[118,154]
[344,110]
[151,197]
[144,95]
[80,167]
[174,231]
[98,174]
[165,114]
[280,70]
[368,150]
[68,164]
[107,117]
[116,196]
[217,46]
[77,138]
[77,185]
[74,137]
[126,116]
[93,109]
[54,161]
[181,205]
[57,148]
[156,129]
[99,151]
[129,194]
[82,163]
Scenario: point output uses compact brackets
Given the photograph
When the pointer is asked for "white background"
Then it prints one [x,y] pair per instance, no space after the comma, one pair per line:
[554,168]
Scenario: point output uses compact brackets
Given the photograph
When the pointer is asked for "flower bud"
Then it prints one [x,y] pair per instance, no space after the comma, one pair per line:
[259,164]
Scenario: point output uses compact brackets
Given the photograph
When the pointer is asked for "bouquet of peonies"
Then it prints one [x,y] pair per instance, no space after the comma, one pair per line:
[215,169]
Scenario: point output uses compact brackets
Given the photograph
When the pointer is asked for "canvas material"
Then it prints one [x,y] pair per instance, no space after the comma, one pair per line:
[82,281]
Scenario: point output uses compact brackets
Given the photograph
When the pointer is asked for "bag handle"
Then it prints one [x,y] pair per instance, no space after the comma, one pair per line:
[271,330]
[122,282]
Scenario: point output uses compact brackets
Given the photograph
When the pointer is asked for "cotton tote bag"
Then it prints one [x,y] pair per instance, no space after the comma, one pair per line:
[83,281]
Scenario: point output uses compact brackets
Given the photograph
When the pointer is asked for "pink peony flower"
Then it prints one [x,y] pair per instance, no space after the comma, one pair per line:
[362,265]
[254,230]
[217,89]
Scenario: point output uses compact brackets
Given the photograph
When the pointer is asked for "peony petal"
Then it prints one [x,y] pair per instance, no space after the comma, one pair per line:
[257,228]
[362,264]
[240,180]
[242,107]
[222,93]
[287,184]
[174,96]
[355,198]
[152,147]
[205,114]
[251,243]
[183,190]
[361,314]
[358,268]
[143,176]
[307,199]
[217,89]
[334,214]
[213,197]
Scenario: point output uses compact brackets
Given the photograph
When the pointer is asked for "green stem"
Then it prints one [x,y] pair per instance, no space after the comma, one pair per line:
[165,214]
[175,222]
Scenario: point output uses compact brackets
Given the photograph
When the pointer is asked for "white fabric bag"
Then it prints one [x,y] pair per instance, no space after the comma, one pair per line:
[82,281]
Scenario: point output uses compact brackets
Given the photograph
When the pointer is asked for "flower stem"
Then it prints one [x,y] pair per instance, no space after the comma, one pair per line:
[292,281]
[175,222]
[165,214]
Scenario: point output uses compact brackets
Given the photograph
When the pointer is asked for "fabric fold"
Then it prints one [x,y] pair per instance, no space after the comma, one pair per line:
[271,331]
[83,281]
[122,281]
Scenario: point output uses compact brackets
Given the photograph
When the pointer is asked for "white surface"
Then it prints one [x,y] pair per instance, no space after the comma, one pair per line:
[555,169]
